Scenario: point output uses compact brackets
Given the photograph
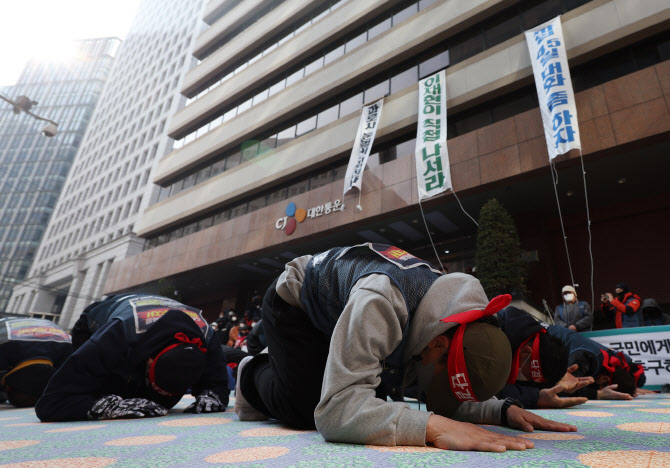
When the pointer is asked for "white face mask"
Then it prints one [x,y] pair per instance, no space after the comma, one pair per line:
[569,297]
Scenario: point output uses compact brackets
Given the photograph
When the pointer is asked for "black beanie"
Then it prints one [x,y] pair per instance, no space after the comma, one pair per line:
[179,368]
[29,382]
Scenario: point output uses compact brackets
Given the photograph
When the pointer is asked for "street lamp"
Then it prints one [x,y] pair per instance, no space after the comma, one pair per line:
[24,103]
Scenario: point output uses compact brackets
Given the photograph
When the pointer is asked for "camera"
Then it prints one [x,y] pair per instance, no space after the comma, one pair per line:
[50,130]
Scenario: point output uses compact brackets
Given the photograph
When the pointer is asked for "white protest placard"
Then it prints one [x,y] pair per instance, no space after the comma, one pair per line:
[433,174]
[649,346]
[365,137]
[554,87]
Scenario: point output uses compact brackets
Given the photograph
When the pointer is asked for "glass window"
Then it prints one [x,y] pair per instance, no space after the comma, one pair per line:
[306,126]
[404,79]
[327,116]
[203,174]
[221,217]
[238,210]
[404,14]
[502,29]
[339,172]
[355,42]
[314,66]
[434,64]
[334,54]
[285,136]
[298,188]
[257,203]
[275,88]
[376,92]
[205,223]
[218,167]
[233,160]
[189,181]
[295,77]
[379,28]
[320,180]
[353,104]
[277,196]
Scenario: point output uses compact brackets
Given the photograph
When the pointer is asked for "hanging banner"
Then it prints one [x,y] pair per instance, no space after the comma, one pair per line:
[554,87]
[433,175]
[365,137]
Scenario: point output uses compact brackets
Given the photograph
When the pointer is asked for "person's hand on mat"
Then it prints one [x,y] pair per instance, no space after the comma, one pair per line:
[115,407]
[549,398]
[206,402]
[519,418]
[448,434]
[570,383]
[609,393]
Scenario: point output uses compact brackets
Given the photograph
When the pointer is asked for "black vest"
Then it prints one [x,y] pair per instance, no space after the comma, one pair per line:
[138,312]
[330,275]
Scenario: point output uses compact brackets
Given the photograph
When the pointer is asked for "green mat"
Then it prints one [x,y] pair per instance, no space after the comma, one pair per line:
[629,434]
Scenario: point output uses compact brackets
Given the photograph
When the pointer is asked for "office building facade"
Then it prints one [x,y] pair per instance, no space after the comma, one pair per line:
[33,167]
[274,105]
[109,185]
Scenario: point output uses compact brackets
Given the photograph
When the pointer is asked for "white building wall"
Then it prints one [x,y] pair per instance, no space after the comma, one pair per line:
[109,185]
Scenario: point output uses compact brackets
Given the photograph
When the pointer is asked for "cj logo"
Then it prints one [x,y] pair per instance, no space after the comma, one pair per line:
[293,216]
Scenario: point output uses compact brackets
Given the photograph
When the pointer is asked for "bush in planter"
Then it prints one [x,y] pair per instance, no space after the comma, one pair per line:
[498,257]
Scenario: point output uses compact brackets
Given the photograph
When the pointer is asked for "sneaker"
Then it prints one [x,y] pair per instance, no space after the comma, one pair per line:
[245,412]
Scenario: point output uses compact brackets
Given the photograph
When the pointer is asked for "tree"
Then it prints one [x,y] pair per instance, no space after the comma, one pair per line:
[498,258]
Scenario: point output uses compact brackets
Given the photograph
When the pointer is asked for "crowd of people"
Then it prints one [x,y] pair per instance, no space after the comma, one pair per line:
[339,342]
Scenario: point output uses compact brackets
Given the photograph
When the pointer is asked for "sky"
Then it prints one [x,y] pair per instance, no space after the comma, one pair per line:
[41,28]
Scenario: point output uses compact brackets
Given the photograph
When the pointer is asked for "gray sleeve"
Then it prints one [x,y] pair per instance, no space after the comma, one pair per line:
[368,330]
[585,323]
[482,412]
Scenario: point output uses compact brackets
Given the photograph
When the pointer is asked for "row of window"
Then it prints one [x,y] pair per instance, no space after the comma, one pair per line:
[620,63]
[360,36]
[406,74]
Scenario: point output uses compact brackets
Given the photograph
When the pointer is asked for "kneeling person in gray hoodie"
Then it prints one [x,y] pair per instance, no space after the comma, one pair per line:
[348,327]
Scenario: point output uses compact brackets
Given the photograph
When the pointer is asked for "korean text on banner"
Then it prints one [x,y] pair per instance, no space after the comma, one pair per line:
[433,175]
[365,137]
[649,346]
[554,87]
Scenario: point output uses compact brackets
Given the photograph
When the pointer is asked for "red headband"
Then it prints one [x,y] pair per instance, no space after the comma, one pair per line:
[535,362]
[458,372]
[181,339]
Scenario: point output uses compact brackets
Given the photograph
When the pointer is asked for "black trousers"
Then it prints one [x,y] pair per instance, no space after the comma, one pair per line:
[285,384]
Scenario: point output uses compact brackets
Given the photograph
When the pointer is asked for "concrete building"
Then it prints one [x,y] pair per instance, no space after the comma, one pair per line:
[275,101]
[33,168]
[109,185]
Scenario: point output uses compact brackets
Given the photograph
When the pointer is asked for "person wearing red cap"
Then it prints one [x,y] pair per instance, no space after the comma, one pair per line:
[30,352]
[539,372]
[348,327]
[625,307]
[616,376]
[144,353]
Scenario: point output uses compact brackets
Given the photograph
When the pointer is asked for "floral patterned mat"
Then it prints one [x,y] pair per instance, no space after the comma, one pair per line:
[611,434]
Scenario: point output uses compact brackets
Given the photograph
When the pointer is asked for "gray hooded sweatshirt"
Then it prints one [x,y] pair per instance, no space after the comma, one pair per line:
[367,332]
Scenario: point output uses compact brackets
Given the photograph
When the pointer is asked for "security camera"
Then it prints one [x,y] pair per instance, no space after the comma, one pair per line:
[50,130]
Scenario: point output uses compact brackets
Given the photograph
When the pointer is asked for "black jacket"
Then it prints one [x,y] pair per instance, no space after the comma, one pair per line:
[108,364]
[518,326]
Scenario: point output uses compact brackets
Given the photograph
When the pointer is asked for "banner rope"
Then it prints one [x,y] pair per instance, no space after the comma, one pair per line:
[588,226]
[430,237]
[554,178]
[461,205]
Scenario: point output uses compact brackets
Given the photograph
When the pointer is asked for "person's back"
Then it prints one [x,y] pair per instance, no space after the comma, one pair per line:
[142,351]
[31,350]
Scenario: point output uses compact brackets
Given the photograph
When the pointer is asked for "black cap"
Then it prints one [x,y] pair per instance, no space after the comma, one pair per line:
[26,385]
[178,369]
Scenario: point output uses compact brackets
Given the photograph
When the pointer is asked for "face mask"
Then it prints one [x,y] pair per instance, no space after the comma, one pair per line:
[569,297]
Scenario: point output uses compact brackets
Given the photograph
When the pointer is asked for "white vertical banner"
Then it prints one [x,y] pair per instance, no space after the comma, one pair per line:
[365,137]
[554,87]
[433,175]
